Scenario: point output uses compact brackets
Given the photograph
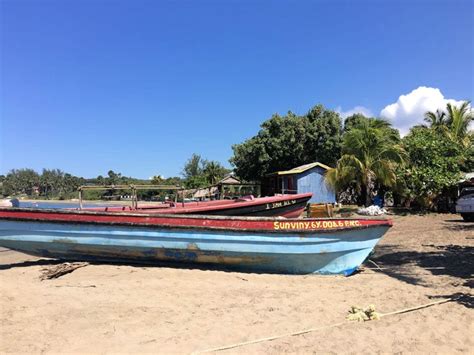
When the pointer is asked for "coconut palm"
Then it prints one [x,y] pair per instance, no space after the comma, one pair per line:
[214,171]
[454,122]
[370,154]
[437,120]
[458,120]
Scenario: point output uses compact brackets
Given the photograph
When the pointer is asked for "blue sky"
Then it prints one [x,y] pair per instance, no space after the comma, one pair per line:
[138,86]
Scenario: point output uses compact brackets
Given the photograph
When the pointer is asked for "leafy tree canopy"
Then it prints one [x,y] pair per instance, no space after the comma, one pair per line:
[454,123]
[200,172]
[20,181]
[194,166]
[50,183]
[434,164]
[160,180]
[357,120]
[284,142]
[214,171]
[354,120]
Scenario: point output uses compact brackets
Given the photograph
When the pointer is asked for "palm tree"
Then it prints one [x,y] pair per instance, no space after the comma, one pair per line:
[213,172]
[454,122]
[458,120]
[436,120]
[370,154]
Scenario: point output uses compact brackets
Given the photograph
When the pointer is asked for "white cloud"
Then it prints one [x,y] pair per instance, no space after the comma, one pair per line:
[357,109]
[410,109]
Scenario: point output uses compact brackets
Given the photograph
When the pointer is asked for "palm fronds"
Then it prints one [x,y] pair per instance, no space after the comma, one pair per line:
[370,153]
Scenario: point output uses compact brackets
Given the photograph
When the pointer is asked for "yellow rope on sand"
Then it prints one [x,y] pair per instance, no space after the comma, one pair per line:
[420,307]
[267,339]
[370,309]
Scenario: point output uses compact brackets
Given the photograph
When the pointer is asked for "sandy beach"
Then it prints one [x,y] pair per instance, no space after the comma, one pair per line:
[108,308]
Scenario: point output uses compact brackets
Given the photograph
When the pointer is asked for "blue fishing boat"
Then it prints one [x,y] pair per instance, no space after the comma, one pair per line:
[258,244]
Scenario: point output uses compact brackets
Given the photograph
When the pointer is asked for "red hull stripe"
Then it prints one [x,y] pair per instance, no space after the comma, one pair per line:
[211,222]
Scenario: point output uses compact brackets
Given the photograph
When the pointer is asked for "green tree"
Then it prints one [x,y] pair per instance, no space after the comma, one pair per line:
[161,180]
[71,184]
[100,180]
[21,181]
[371,154]
[434,165]
[285,142]
[458,121]
[436,120]
[214,171]
[52,183]
[358,119]
[454,122]
[171,181]
[199,172]
[195,182]
[113,178]
[353,121]
[194,166]
[323,136]
[157,180]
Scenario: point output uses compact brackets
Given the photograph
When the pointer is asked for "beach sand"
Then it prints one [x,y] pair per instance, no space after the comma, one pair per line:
[119,308]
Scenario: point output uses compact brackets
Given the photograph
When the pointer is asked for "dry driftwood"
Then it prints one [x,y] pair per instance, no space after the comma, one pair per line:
[59,270]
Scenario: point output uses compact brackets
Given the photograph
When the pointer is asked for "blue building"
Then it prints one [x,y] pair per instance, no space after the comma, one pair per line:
[304,178]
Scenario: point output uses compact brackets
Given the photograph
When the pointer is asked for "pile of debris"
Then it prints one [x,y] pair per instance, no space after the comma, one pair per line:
[372,211]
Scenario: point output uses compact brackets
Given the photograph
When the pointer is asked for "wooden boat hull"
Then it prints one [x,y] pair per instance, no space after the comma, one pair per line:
[329,246]
[289,206]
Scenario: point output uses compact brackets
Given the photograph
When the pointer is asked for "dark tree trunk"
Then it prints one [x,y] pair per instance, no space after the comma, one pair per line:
[368,195]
